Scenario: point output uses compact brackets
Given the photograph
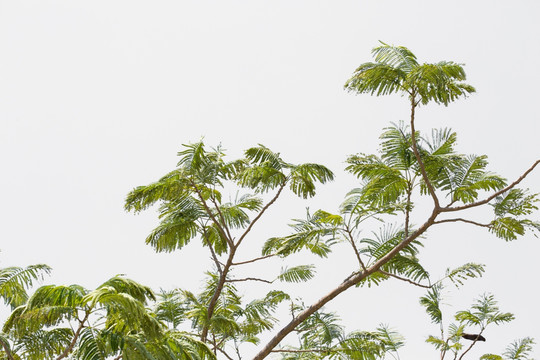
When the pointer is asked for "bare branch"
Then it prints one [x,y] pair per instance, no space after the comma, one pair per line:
[356,252]
[462,220]
[405,279]
[493,196]
[305,350]
[224,353]
[260,214]
[346,284]
[470,347]
[419,159]
[249,279]
[253,260]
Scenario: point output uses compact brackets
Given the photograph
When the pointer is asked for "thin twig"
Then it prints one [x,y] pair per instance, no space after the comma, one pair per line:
[260,214]
[76,335]
[485,201]
[356,252]
[221,216]
[405,279]
[419,159]
[209,212]
[249,279]
[462,220]
[214,256]
[253,260]
[470,347]
[224,353]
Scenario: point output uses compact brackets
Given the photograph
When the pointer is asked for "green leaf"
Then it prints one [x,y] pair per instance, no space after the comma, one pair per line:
[519,349]
[296,274]
[467,271]
[432,302]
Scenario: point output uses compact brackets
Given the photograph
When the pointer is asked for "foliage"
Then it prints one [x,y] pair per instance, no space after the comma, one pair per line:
[216,202]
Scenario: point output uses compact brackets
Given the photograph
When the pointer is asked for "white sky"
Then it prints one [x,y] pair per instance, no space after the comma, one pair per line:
[96,97]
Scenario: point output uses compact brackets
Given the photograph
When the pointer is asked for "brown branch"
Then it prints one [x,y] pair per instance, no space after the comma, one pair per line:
[214,256]
[470,347]
[221,216]
[462,220]
[407,211]
[76,335]
[253,260]
[233,248]
[493,196]
[356,252]
[209,212]
[260,214]
[405,279]
[346,284]
[306,350]
[249,279]
[224,353]
[213,301]
[419,159]
[7,351]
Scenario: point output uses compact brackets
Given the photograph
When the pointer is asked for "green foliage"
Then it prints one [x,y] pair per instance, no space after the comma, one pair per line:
[297,273]
[432,303]
[217,202]
[484,312]
[517,350]
[15,280]
[396,70]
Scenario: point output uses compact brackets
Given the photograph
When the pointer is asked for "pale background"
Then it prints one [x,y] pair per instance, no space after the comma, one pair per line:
[96,97]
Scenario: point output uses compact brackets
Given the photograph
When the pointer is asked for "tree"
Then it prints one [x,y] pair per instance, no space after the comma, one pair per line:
[409,166]
[70,322]
[14,281]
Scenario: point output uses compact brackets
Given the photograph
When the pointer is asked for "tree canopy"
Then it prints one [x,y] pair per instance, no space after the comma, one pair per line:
[217,202]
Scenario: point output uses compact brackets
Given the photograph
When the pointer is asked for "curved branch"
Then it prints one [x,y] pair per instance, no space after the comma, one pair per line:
[253,260]
[260,214]
[249,279]
[346,284]
[71,345]
[462,220]
[493,196]
[418,158]
[356,252]
[470,347]
[405,279]
[209,212]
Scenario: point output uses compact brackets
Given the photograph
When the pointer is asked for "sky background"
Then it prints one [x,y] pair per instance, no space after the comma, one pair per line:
[97,97]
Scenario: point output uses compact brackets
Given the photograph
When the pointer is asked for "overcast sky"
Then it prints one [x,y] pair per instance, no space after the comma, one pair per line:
[96,97]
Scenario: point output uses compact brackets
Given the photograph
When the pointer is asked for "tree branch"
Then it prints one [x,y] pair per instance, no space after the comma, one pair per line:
[209,212]
[419,159]
[253,260]
[462,220]
[493,196]
[76,335]
[224,353]
[346,284]
[249,279]
[214,256]
[221,217]
[260,214]
[305,350]
[470,347]
[405,279]
[7,351]
[351,240]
